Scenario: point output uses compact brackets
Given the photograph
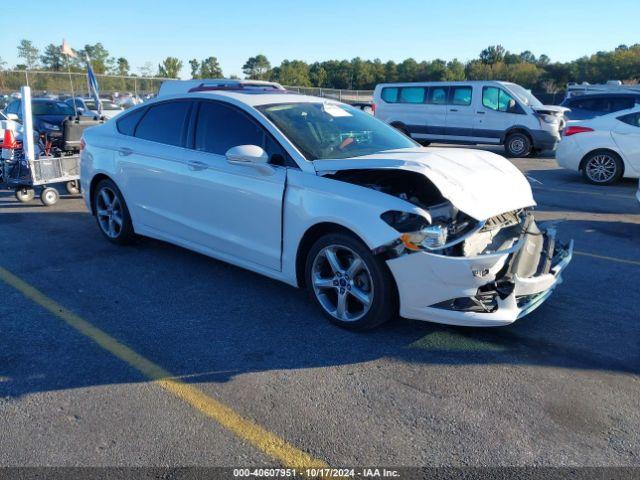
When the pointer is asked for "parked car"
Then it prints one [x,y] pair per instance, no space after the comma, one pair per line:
[584,107]
[604,149]
[316,193]
[48,116]
[488,112]
[87,106]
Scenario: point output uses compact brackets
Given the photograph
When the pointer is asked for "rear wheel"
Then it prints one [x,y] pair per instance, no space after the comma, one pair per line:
[602,168]
[353,288]
[73,187]
[112,213]
[24,194]
[517,145]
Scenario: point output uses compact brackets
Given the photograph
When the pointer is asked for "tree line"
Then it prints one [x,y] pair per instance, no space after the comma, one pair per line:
[494,62]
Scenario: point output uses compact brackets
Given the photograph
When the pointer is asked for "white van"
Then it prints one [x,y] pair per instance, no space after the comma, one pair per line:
[475,112]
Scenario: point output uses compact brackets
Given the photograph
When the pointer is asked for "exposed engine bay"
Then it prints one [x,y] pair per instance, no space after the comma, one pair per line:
[448,231]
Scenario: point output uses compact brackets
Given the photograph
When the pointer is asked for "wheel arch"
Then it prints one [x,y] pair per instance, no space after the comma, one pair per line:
[516,129]
[92,186]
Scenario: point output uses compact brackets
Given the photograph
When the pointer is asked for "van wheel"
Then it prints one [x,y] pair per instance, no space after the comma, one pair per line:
[517,145]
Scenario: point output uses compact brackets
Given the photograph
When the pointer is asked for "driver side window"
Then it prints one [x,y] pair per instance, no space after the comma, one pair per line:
[497,99]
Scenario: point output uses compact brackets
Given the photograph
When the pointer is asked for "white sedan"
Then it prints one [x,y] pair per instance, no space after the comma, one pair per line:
[604,149]
[318,194]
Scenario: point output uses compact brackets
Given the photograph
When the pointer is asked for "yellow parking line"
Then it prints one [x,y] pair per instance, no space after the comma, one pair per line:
[267,442]
[604,257]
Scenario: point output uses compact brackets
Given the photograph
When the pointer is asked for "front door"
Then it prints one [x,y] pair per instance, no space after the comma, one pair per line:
[233,210]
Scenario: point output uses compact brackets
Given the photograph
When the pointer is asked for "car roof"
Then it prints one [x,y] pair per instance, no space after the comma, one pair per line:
[249,98]
[604,95]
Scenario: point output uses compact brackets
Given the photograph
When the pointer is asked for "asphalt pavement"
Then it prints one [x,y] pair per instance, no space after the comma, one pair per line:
[151,355]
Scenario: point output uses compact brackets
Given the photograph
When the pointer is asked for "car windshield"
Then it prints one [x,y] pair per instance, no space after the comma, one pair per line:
[330,130]
[51,108]
[525,96]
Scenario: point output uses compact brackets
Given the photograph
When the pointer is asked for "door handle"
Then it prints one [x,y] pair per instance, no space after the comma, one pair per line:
[453,109]
[196,165]
[125,151]
[480,113]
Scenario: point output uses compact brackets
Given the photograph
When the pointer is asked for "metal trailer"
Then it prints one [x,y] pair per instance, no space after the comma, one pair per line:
[24,176]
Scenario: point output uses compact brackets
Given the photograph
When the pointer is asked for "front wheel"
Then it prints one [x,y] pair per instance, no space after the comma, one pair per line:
[517,145]
[49,196]
[354,289]
[73,187]
[112,213]
[602,168]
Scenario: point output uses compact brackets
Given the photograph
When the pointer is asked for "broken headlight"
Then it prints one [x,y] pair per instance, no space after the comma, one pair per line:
[418,233]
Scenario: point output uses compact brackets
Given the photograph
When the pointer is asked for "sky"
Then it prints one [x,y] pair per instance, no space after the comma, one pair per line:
[148,31]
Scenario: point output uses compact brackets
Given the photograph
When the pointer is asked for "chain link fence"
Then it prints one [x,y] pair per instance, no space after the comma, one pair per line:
[63,83]
[347,96]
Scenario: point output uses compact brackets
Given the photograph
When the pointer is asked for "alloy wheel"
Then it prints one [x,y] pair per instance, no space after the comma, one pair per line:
[601,168]
[342,283]
[109,212]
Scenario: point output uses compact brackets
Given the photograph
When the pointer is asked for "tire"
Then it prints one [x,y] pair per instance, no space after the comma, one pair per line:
[517,145]
[602,168]
[401,128]
[25,195]
[329,282]
[49,196]
[112,213]
[73,187]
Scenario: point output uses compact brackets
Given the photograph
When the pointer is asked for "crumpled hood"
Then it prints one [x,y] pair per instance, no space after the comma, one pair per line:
[551,109]
[481,184]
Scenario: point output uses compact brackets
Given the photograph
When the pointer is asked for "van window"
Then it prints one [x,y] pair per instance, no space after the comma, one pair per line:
[497,99]
[461,96]
[412,95]
[390,95]
[437,95]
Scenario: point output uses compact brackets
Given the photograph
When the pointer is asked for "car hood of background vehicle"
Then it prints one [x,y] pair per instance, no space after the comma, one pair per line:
[551,109]
[481,184]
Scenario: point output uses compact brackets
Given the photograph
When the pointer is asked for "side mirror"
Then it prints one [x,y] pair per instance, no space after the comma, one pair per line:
[249,155]
[13,116]
[512,106]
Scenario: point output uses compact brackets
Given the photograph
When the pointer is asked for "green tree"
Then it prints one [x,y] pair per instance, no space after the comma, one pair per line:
[99,57]
[455,71]
[52,58]
[257,68]
[146,70]
[29,52]
[170,67]
[492,54]
[293,72]
[195,68]
[123,66]
[210,68]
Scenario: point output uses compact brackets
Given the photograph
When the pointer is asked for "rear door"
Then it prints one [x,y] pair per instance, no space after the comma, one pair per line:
[152,169]
[436,112]
[626,134]
[460,113]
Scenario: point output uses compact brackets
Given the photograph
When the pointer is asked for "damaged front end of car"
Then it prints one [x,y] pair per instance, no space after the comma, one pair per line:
[455,269]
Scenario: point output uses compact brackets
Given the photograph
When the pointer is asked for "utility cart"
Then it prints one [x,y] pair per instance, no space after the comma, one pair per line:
[57,163]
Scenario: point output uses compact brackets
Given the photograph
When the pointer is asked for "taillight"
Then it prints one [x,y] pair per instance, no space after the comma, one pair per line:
[572,130]
[82,144]
[373,109]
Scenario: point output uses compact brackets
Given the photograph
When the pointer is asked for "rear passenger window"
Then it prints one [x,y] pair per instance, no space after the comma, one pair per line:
[127,123]
[621,103]
[412,95]
[461,96]
[437,95]
[390,95]
[220,127]
[632,119]
[164,123]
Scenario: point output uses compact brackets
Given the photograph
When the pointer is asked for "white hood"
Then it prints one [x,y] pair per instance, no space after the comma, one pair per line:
[551,109]
[481,184]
